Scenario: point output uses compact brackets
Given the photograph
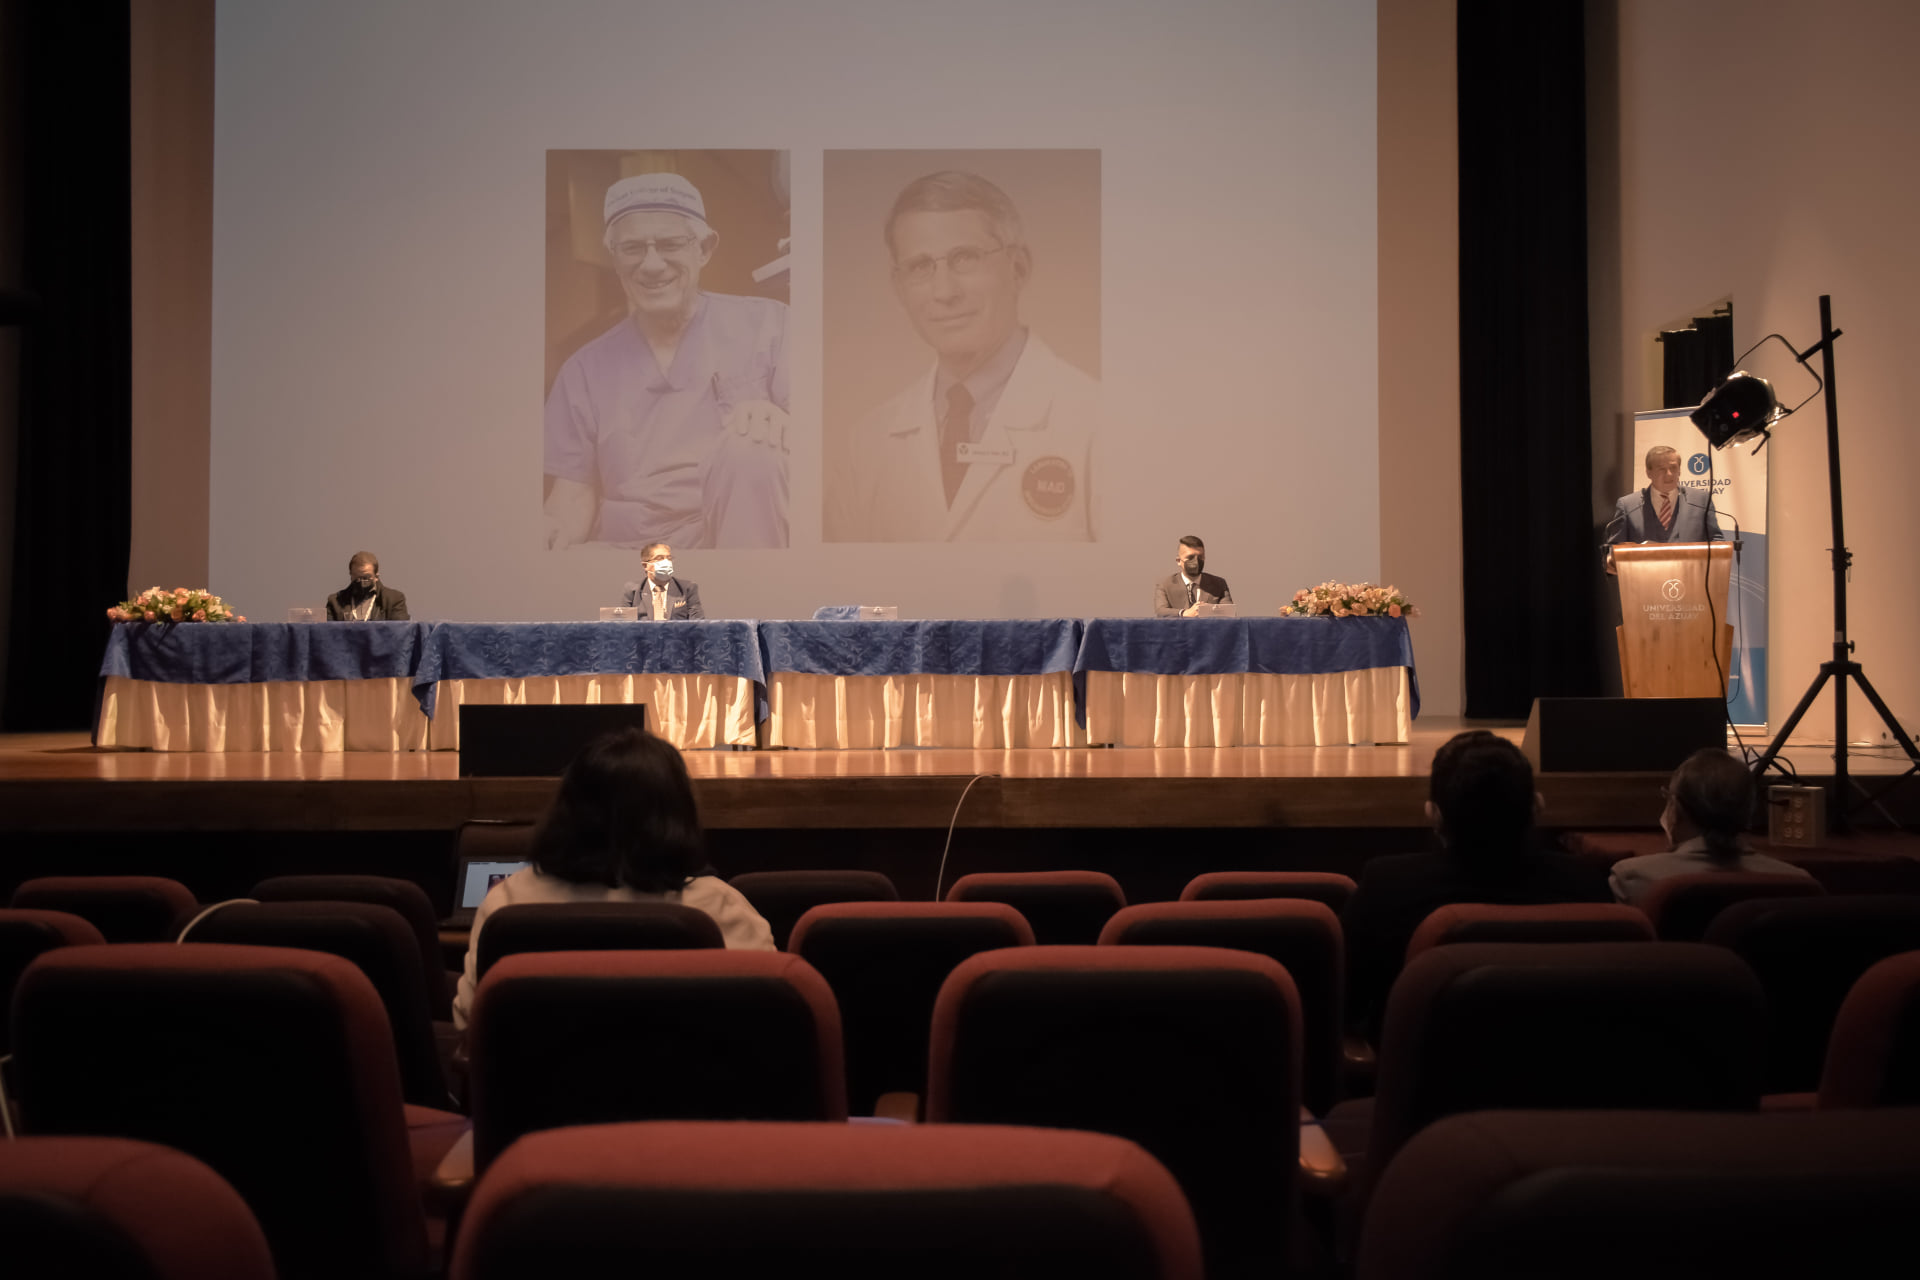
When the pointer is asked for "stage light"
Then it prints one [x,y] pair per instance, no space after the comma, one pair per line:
[1741,408]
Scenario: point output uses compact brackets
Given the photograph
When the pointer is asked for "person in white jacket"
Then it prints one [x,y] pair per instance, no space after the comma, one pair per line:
[623,828]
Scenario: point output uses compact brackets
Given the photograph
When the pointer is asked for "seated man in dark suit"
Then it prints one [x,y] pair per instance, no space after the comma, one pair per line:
[659,595]
[364,598]
[1176,595]
[1663,511]
[1482,803]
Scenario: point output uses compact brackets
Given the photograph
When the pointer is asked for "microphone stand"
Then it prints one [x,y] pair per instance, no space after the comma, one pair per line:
[1841,667]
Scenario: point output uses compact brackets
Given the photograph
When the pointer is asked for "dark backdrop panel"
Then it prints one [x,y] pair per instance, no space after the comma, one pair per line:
[72,522]
[1527,530]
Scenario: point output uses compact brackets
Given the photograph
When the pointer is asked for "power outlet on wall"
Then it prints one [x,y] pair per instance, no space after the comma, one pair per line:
[1796,816]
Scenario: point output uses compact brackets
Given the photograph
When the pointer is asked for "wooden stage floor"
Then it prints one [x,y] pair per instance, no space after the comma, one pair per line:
[51,782]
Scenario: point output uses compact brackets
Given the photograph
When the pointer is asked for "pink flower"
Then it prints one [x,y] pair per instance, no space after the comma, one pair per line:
[175,613]
[152,616]
[1360,610]
[199,615]
[179,593]
[241,618]
[1393,611]
[114,613]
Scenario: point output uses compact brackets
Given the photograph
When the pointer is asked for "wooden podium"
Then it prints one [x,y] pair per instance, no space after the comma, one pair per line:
[1673,603]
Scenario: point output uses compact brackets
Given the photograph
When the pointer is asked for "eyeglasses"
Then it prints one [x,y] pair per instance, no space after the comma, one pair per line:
[964,261]
[668,247]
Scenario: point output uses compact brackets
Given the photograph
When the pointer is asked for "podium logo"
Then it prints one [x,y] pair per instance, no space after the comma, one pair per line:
[1672,589]
[1697,464]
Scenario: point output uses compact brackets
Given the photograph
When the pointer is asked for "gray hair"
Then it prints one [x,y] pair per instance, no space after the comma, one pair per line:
[1660,451]
[951,191]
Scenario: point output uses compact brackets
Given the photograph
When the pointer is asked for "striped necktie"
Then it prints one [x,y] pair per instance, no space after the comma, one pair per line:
[1666,512]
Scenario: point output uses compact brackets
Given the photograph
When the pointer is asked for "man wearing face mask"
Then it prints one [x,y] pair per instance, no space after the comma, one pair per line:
[1181,594]
[660,596]
[365,599]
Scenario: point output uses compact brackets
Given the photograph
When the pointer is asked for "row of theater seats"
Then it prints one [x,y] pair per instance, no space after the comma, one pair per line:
[885,961]
[1196,1054]
[1496,1195]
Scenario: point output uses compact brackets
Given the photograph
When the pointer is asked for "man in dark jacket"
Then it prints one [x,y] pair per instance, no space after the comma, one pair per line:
[364,598]
[1178,594]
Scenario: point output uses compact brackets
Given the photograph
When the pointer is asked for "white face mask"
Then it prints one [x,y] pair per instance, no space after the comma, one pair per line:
[663,569]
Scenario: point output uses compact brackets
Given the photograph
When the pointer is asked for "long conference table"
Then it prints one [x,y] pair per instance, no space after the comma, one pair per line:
[1059,682]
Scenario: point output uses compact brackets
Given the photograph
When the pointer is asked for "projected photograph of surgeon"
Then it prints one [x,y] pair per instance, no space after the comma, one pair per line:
[961,344]
[667,381]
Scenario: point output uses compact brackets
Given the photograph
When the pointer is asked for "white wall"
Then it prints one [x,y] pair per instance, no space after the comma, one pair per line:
[377,296]
[1767,151]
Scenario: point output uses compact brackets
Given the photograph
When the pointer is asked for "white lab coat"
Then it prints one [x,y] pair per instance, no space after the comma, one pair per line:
[1031,480]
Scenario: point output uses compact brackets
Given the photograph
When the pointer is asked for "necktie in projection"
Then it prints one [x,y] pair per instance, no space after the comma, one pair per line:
[956,427]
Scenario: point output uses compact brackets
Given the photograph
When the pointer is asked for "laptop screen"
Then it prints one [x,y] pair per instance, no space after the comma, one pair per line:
[477,876]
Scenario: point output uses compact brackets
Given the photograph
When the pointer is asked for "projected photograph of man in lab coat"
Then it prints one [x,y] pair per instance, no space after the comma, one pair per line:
[977,420]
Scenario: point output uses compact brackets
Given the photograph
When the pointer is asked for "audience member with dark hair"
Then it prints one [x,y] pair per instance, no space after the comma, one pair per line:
[624,828]
[1709,804]
[1482,803]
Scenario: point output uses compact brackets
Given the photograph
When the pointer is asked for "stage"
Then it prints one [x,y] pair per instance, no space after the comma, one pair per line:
[1152,816]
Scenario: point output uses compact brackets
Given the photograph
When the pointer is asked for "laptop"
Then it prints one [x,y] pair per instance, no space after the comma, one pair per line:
[472,879]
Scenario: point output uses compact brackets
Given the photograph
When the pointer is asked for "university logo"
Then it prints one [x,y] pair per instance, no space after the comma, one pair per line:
[1672,589]
[1697,464]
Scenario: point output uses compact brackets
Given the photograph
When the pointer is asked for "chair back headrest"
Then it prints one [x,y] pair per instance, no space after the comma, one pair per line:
[593,926]
[1531,922]
[742,1201]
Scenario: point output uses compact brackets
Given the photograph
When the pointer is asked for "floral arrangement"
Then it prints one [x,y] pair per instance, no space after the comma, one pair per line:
[1349,600]
[182,604]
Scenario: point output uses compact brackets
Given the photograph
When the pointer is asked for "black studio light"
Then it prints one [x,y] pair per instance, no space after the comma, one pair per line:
[1739,409]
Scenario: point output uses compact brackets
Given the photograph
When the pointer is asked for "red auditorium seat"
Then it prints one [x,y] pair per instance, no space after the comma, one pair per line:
[886,962]
[1512,1025]
[782,897]
[1193,1052]
[1682,907]
[1329,887]
[1064,907]
[1530,922]
[274,1066]
[25,935]
[753,1201]
[1808,953]
[378,942]
[1873,1056]
[404,896]
[110,1209]
[123,908]
[592,926]
[590,1037]
[1302,936]
[1518,1195]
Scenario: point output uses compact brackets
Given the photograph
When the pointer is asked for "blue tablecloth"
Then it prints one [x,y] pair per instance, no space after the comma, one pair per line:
[951,647]
[515,650]
[256,652]
[1269,645]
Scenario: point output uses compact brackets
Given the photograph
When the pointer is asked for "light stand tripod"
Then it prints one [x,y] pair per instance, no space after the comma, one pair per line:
[1842,667]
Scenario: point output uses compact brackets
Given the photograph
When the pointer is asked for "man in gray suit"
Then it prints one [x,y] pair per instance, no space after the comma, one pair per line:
[659,595]
[1180,594]
[1663,511]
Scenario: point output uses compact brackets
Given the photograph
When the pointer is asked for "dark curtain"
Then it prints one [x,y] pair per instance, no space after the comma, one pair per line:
[1529,561]
[72,524]
[1695,360]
